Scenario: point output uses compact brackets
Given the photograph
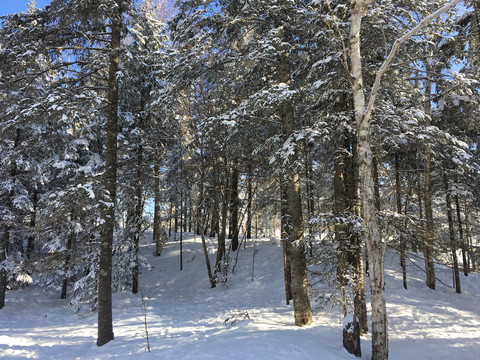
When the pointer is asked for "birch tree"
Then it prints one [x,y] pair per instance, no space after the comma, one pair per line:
[363,112]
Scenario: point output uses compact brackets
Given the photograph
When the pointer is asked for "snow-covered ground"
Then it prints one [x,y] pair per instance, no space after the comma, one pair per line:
[187,319]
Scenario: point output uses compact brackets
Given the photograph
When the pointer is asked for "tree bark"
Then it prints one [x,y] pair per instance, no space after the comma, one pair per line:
[233,228]
[157,213]
[451,230]
[31,237]
[429,235]
[249,202]
[105,326]
[7,228]
[375,247]
[137,225]
[399,211]
[463,244]
[70,241]
[293,211]
[357,243]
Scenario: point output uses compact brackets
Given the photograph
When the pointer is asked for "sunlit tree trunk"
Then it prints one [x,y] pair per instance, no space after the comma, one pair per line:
[293,211]
[375,247]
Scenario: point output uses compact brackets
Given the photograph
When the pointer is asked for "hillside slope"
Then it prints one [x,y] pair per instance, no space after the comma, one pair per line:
[188,320]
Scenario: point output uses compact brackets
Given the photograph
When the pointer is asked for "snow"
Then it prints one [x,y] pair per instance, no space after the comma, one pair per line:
[188,320]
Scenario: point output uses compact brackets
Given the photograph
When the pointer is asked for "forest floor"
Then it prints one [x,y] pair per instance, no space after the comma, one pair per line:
[245,319]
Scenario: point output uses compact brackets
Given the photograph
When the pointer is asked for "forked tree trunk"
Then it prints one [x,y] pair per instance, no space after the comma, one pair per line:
[375,247]
[105,326]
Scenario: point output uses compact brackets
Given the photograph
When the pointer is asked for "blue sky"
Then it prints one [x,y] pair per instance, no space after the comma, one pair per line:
[14,6]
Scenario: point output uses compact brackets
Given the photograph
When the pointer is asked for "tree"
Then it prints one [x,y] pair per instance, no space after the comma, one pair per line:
[375,247]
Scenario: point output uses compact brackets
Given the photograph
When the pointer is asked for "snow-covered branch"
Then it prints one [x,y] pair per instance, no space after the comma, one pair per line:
[393,52]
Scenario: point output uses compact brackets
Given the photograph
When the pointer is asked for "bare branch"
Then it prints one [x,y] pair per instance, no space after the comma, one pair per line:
[393,52]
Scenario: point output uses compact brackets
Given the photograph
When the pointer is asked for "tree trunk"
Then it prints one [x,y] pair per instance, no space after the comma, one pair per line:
[3,272]
[249,202]
[31,237]
[215,210]
[360,303]
[287,247]
[221,250]
[105,326]
[137,225]
[471,253]
[419,198]
[7,228]
[451,229]
[340,227]
[233,228]
[399,211]
[294,217]
[466,265]
[375,247]
[70,241]
[429,235]
[157,213]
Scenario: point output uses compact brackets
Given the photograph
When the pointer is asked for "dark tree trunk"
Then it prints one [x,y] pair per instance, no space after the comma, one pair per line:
[233,229]
[181,231]
[249,203]
[7,229]
[137,225]
[287,247]
[451,229]
[31,237]
[463,244]
[399,211]
[420,193]
[215,212]
[429,235]
[376,182]
[70,241]
[221,250]
[105,326]
[157,214]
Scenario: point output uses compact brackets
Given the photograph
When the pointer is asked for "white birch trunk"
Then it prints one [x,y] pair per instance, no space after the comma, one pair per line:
[374,245]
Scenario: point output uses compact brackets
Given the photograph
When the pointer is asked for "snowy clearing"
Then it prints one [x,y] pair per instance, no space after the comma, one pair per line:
[244,320]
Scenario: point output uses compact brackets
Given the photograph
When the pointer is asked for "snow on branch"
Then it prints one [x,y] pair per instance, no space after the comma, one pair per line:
[393,52]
